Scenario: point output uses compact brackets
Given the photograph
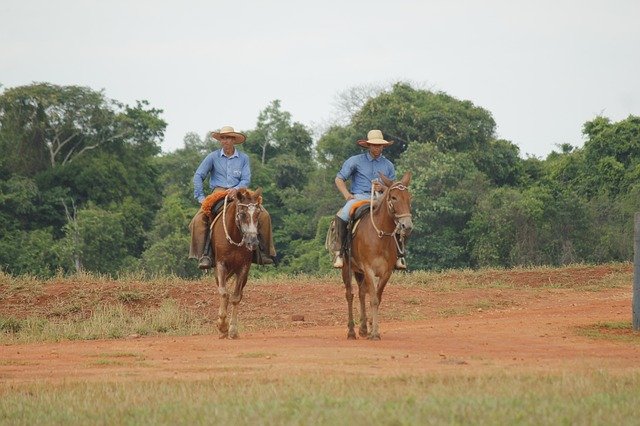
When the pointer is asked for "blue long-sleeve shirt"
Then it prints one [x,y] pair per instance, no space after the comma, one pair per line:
[363,168]
[226,172]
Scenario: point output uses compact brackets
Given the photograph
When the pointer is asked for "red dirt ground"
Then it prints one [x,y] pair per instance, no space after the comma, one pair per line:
[424,331]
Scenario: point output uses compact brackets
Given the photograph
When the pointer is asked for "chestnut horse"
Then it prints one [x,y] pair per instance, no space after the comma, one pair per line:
[374,251]
[234,237]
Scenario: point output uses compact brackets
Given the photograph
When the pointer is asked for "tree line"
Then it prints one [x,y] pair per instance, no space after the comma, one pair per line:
[84,185]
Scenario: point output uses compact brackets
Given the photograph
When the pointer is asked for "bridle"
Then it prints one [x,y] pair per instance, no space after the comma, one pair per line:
[392,211]
[249,206]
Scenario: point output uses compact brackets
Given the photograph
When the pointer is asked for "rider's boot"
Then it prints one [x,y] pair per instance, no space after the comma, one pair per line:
[205,261]
[341,236]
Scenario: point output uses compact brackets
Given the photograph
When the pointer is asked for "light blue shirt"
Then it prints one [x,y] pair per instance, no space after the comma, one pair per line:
[226,172]
[362,169]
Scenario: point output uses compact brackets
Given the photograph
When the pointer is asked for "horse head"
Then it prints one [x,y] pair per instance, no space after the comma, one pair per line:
[398,201]
[248,207]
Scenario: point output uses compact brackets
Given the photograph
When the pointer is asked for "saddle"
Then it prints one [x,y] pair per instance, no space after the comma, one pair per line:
[212,205]
[212,208]
[358,209]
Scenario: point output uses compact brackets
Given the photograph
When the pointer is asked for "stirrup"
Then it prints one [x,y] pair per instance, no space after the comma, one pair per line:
[205,262]
[401,263]
[338,262]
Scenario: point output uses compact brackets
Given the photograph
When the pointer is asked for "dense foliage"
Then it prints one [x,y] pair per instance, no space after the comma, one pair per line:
[84,185]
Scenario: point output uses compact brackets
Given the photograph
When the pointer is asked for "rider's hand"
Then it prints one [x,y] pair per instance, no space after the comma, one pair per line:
[232,192]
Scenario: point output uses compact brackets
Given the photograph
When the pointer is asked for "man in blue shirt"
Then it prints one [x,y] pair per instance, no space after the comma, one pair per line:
[229,169]
[362,170]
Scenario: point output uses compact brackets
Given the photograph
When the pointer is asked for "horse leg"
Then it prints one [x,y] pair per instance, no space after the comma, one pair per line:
[346,278]
[221,279]
[375,292]
[362,296]
[241,281]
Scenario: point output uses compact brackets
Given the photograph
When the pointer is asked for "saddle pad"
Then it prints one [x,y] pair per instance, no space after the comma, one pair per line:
[355,207]
[210,202]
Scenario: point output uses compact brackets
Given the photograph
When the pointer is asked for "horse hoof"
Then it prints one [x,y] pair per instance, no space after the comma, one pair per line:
[222,336]
[363,332]
[351,335]
[233,336]
[374,337]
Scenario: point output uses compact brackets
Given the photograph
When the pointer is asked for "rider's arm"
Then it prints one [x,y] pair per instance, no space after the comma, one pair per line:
[201,173]
[342,187]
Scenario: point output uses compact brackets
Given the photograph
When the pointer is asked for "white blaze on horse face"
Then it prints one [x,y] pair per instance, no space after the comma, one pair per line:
[252,226]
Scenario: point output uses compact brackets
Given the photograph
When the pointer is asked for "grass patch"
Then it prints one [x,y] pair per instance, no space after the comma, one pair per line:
[586,398]
[105,322]
[453,312]
[256,355]
[618,331]
[130,296]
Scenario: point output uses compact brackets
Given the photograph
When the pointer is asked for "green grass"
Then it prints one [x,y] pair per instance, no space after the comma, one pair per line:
[588,398]
[105,322]
[621,331]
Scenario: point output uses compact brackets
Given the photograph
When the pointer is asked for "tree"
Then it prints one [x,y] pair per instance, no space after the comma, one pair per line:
[348,102]
[103,242]
[500,161]
[539,225]
[336,145]
[611,155]
[444,189]
[46,126]
[406,115]
[270,121]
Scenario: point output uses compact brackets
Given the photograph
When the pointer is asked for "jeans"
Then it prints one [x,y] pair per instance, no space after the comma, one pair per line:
[344,211]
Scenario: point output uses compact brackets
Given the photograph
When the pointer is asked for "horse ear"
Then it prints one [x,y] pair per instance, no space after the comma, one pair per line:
[387,182]
[406,179]
[258,194]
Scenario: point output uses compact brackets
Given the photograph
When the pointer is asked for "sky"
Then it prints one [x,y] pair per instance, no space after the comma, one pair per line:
[542,68]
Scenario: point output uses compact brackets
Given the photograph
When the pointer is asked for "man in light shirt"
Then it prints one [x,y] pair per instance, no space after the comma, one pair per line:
[362,170]
[229,169]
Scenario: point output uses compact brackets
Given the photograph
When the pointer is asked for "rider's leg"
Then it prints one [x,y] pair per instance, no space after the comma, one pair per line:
[265,235]
[200,244]
[341,236]
[341,220]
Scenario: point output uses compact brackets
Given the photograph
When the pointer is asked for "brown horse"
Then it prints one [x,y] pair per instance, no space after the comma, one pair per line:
[373,253]
[234,237]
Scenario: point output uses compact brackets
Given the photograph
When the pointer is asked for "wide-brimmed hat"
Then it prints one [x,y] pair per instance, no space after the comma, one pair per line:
[374,137]
[229,131]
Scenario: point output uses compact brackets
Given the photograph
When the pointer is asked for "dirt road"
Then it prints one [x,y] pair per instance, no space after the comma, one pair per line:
[423,331]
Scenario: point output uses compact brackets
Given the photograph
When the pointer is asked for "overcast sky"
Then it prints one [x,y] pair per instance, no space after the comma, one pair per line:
[542,68]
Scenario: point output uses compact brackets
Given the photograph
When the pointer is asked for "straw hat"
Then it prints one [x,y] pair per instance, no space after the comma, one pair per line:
[374,137]
[229,131]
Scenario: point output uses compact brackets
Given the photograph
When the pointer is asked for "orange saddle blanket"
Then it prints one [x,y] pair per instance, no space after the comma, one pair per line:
[356,205]
[211,200]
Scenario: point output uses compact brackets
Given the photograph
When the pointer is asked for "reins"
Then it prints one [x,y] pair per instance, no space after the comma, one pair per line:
[397,230]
